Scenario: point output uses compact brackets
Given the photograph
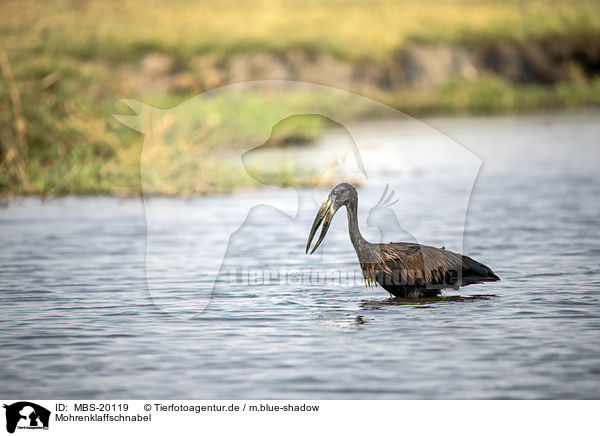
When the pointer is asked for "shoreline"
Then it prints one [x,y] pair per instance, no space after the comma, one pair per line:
[439,123]
[425,58]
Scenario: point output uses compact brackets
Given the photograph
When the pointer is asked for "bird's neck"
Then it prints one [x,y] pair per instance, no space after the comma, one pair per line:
[355,235]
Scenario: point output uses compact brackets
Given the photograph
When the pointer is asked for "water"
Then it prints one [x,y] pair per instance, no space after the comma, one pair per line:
[78,320]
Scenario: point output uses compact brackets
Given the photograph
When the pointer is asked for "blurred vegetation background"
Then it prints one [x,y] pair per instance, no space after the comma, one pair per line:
[65,64]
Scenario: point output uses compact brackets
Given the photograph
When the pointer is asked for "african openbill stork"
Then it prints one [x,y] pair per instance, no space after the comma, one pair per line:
[404,269]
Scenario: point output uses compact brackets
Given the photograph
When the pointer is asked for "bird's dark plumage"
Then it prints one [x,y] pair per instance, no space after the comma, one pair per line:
[407,270]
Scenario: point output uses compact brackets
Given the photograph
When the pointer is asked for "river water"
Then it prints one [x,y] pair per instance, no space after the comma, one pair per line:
[78,318]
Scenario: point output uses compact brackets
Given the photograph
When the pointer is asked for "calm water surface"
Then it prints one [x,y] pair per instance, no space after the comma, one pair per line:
[77,319]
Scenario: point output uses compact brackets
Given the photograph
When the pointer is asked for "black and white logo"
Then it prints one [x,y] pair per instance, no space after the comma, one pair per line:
[26,415]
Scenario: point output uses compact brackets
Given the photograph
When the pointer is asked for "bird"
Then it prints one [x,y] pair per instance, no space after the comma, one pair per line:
[404,269]
[384,219]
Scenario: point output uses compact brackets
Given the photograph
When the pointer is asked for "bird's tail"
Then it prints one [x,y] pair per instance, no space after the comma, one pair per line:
[475,272]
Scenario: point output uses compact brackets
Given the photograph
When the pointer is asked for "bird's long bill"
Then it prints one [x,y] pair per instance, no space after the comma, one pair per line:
[324,215]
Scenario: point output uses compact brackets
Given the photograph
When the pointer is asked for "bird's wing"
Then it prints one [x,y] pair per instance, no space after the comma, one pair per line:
[421,264]
[417,264]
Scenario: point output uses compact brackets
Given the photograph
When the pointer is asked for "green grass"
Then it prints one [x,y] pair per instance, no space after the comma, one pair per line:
[65,57]
[71,149]
[489,95]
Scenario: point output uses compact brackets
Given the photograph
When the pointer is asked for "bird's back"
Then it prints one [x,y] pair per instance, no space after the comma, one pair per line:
[405,267]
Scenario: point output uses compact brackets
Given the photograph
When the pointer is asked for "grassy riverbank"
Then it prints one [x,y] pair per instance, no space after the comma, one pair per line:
[66,65]
[124,30]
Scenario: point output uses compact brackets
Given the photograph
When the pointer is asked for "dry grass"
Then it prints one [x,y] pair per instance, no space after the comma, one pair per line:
[351,29]
[60,137]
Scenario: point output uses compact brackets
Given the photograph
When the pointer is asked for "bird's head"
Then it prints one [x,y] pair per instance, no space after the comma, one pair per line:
[342,195]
